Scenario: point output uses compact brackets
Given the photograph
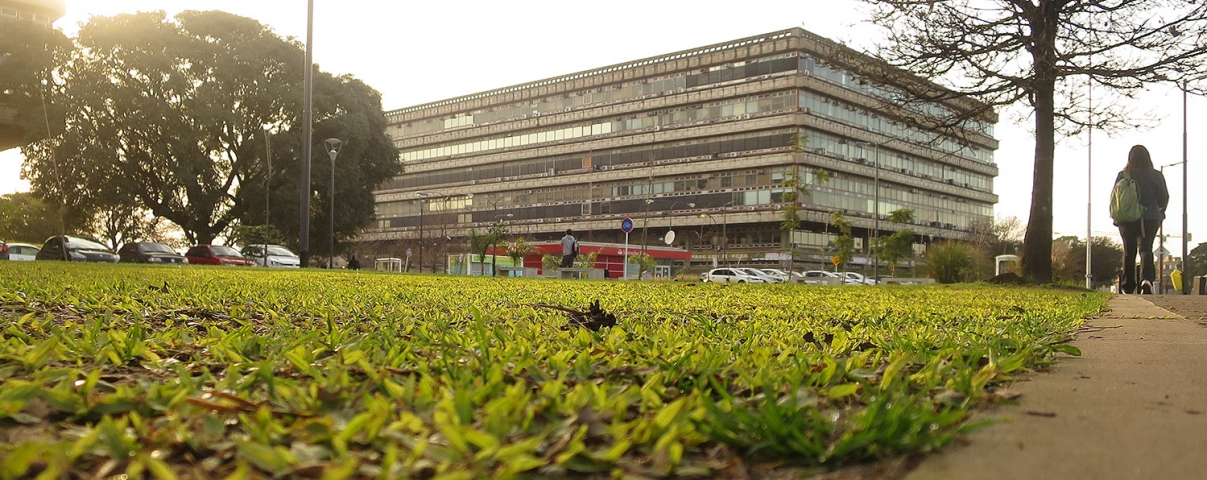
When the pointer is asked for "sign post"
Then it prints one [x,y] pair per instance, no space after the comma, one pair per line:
[626,226]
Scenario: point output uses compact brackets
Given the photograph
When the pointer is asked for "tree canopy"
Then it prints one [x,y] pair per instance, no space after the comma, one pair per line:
[1043,55]
[168,115]
[29,53]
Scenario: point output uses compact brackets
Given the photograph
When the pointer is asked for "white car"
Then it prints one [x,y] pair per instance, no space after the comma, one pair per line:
[20,252]
[777,273]
[278,256]
[767,278]
[822,277]
[853,278]
[731,275]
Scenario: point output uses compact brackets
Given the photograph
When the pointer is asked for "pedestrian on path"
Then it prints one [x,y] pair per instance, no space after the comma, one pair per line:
[569,249]
[1139,234]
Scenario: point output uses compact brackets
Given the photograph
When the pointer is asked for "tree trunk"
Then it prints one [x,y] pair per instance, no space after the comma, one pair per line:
[1037,244]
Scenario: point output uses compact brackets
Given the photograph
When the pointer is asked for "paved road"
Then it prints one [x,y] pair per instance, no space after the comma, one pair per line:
[1133,406]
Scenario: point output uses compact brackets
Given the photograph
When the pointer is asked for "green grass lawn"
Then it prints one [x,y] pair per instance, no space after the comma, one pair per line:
[211,372]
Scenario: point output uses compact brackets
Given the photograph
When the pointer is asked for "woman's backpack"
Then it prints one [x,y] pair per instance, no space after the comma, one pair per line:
[1125,201]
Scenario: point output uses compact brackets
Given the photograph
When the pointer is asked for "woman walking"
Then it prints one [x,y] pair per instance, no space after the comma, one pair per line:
[1139,234]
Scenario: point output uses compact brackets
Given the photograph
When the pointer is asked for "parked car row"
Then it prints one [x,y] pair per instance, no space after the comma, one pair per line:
[78,249]
[772,275]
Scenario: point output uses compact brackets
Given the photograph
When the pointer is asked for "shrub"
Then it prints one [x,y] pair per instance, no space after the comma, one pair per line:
[952,262]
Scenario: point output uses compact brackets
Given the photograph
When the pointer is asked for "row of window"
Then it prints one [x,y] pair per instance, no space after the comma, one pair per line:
[844,192]
[23,15]
[890,159]
[787,63]
[727,108]
[853,82]
[650,86]
[851,114]
[741,142]
[730,109]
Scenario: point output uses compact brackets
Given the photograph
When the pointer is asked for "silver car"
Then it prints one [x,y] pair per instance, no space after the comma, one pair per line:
[731,275]
[272,256]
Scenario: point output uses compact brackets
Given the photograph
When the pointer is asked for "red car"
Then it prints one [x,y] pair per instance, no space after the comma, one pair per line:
[216,255]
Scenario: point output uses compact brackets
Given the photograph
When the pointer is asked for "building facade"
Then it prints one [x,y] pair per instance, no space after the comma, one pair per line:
[698,142]
[43,12]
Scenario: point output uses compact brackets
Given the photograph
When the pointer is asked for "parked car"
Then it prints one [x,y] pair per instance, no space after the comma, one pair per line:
[149,252]
[767,278]
[822,277]
[777,273]
[18,252]
[853,278]
[731,275]
[78,250]
[216,255]
[278,256]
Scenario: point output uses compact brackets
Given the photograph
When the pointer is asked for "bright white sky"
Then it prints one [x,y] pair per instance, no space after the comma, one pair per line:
[417,52]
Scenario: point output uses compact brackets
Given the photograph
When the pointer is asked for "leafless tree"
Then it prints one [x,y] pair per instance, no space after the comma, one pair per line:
[1044,55]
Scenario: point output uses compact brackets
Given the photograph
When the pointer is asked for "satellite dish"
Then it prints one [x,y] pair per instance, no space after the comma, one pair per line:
[670,237]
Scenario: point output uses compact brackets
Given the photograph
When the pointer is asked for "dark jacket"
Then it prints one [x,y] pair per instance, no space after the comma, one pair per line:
[1154,196]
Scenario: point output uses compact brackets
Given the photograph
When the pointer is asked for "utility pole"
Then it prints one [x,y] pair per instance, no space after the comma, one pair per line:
[307,119]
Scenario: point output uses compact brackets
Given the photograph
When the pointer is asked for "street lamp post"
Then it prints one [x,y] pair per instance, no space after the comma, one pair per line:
[714,230]
[645,225]
[307,120]
[1161,243]
[671,217]
[422,198]
[725,233]
[333,147]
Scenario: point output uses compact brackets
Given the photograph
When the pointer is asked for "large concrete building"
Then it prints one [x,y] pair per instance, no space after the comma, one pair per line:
[697,141]
[44,12]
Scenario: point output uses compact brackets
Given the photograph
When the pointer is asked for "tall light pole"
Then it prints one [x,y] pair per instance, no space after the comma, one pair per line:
[421,196]
[307,119]
[1185,230]
[267,189]
[671,217]
[714,230]
[645,225]
[1161,242]
[725,233]
[875,200]
[1089,190]
[333,146]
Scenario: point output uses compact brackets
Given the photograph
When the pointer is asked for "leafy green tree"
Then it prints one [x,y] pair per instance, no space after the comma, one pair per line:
[1106,261]
[586,260]
[125,223]
[844,244]
[644,263]
[1039,53]
[1196,264]
[550,263]
[26,218]
[479,244]
[29,54]
[517,250]
[498,232]
[899,246]
[167,115]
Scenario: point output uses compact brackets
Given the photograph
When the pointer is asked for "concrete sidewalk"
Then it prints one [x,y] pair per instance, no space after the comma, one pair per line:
[1132,406]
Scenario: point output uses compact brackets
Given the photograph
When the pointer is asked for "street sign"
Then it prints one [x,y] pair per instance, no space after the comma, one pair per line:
[1162,252]
[670,237]
[626,225]
[408,252]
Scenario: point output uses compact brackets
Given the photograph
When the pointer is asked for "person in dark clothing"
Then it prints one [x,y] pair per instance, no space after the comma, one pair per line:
[569,249]
[1139,235]
[354,264]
